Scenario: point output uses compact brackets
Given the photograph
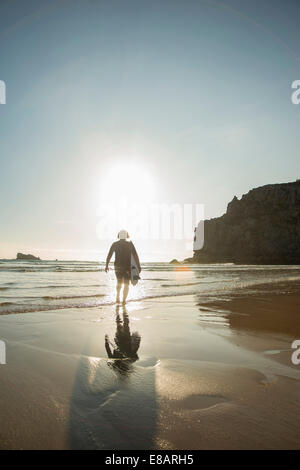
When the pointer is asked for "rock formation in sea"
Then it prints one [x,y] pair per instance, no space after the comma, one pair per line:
[21,256]
[263,227]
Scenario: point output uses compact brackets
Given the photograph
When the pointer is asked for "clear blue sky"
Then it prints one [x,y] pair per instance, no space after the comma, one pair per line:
[197,93]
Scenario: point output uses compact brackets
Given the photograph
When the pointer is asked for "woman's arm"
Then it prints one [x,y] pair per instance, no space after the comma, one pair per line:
[110,253]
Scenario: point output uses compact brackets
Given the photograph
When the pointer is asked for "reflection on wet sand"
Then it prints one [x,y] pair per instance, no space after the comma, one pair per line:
[114,407]
[124,351]
[262,311]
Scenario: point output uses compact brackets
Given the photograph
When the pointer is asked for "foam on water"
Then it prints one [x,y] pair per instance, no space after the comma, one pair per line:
[27,286]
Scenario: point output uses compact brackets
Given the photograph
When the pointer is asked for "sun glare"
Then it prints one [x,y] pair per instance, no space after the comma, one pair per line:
[128,182]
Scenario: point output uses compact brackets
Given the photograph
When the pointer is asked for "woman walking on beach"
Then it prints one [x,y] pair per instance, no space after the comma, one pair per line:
[123,250]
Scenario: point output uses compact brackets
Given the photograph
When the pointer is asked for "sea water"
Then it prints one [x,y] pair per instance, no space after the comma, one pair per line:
[30,286]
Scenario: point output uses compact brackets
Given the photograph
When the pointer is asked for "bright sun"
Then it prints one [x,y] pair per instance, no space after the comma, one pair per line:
[128,182]
[127,192]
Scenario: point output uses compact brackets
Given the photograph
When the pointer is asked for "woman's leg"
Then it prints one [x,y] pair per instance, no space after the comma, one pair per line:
[119,285]
[125,290]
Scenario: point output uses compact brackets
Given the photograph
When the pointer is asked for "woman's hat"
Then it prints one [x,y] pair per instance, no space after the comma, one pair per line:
[123,234]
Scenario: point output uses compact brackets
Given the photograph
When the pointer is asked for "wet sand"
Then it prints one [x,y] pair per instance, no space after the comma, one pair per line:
[211,376]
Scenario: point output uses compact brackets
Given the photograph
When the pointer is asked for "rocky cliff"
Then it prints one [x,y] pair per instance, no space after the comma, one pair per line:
[21,256]
[263,227]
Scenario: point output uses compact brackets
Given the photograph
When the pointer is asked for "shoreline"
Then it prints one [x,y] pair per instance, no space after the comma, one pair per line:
[211,376]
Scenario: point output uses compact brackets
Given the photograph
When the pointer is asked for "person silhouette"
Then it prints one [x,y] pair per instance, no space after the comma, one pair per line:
[123,250]
[126,344]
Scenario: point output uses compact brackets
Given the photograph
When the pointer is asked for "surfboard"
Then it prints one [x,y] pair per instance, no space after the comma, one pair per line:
[134,272]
